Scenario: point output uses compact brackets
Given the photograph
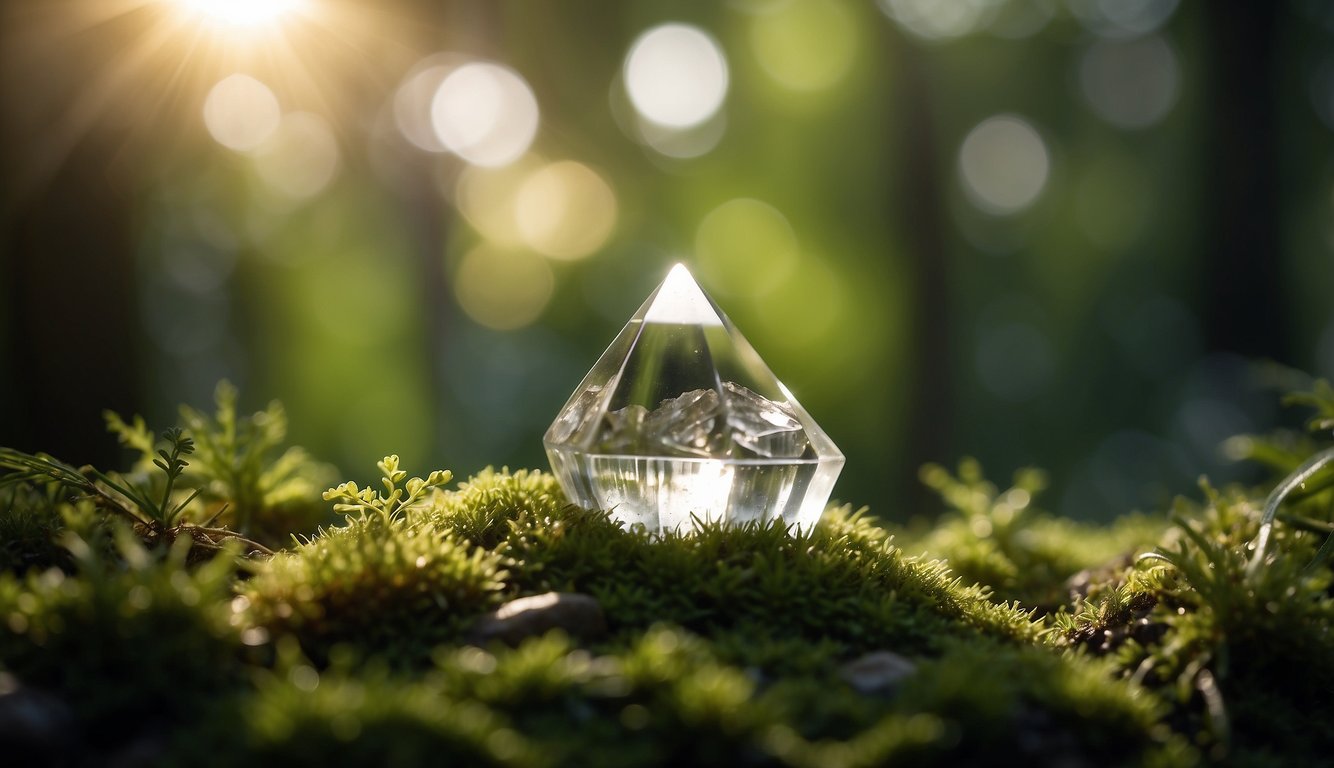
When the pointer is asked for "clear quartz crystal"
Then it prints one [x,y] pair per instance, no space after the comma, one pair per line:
[681,420]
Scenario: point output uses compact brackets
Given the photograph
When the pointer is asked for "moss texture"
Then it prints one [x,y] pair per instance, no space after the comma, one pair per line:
[1155,641]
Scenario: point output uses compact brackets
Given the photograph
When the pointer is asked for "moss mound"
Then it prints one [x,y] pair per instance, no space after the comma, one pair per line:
[139,621]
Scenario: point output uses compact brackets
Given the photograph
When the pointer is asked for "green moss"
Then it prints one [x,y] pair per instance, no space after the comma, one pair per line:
[843,582]
[247,477]
[384,587]
[484,505]
[666,698]
[306,718]
[139,641]
[727,646]
[1000,539]
[30,522]
[1246,659]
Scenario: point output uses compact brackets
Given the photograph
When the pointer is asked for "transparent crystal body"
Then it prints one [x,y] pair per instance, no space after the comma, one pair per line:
[681,420]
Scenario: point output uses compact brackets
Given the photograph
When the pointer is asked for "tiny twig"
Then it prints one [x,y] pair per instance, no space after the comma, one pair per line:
[230,534]
[215,517]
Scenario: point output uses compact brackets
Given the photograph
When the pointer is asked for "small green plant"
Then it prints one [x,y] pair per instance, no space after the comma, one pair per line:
[130,637]
[727,646]
[383,583]
[252,482]
[1002,540]
[149,504]
[391,505]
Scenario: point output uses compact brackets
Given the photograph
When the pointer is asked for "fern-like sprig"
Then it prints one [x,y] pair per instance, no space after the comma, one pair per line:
[390,505]
[134,501]
[143,507]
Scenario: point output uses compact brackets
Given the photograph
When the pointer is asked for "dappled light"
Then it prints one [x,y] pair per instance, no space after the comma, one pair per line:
[1004,164]
[300,158]
[243,12]
[805,45]
[241,112]
[773,383]
[1130,85]
[565,210]
[676,75]
[484,113]
[950,227]
[503,289]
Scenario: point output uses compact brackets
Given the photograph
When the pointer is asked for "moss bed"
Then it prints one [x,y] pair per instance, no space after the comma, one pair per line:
[209,607]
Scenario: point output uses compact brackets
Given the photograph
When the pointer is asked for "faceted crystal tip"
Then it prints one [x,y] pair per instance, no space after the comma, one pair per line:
[680,300]
[681,420]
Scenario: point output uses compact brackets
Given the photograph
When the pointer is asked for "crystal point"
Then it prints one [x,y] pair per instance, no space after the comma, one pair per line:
[680,420]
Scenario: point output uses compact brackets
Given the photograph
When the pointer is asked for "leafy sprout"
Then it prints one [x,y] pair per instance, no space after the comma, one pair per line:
[1311,477]
[258,485]
[140,502]
[390,505]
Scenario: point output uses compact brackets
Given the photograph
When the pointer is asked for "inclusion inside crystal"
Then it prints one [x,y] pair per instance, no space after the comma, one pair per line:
[680,420]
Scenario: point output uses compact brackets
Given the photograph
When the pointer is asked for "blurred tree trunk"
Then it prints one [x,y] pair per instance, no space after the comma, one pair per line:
[1243,311]
[920,198]
[71,318]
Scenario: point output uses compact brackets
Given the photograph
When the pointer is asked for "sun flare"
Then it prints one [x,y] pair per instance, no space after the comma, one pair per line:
[242,13]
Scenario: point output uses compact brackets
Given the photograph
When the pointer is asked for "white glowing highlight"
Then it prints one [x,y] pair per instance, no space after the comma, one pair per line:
[680,301]
[412,106]
[676,75]
[243,13]
[485,114]
[241,113]
[1004,165]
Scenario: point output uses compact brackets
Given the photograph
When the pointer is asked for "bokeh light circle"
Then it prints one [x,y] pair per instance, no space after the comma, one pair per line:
[503,289]
[565,210]
[485,113]
[805,45]
[938,20]
[301,158]
[676,75]
[413,103]
[1130,84]
[487,199]
[1003,164]
[746,247]
[1122,19]
[240,112]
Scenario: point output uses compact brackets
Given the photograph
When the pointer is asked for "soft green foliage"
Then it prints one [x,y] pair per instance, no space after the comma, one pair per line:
[665,698]
[483,507]
[1237,634]
[727,646]
[303,717]
[844,582]
[125,641]
[382,583]
[1247,658]
[392,504]
[31,519]
[212,480]
[1000,539]
[255,485]
[148,502]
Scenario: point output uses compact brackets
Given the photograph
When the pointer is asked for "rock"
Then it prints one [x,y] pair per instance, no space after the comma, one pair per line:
[578,615]
[877,672]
